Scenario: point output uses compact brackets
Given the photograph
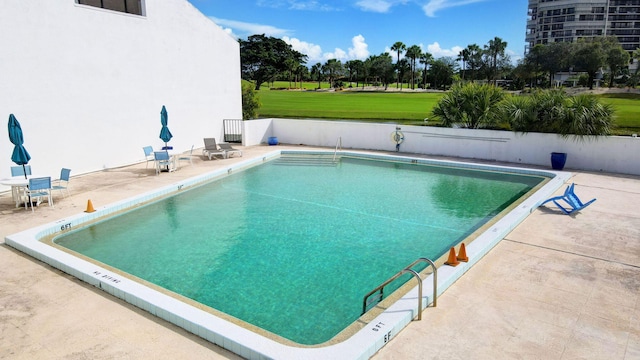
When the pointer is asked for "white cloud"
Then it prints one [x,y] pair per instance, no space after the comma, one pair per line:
[434,49]
[380,6]
[433,6]
[515,57]
[438,52]
[313,51]
[360,49]
[309,5]
[337,54]
[243,29]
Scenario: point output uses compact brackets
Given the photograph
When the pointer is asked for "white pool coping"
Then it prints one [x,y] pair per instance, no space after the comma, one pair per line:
[362,345]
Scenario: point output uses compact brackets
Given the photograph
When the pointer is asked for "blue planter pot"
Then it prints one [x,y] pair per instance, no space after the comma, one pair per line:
[273,140]
[558,160]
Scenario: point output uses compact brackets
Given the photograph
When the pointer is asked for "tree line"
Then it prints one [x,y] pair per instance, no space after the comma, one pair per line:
[266,59]
[588,55]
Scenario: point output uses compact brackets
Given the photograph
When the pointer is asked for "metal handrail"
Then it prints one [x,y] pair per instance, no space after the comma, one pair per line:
[338,143]
[380,287]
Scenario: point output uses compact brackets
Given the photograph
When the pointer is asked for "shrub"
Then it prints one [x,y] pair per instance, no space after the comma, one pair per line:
[534,113]
[470,105]
[553,111]
[250,101]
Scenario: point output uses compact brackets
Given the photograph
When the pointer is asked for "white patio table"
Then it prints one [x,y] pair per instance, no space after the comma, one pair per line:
[18,183]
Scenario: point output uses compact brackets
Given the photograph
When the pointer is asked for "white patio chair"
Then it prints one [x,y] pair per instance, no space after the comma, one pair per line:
[187,157]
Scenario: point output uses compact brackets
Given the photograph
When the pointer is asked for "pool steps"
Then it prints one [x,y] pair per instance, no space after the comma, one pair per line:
[306,160]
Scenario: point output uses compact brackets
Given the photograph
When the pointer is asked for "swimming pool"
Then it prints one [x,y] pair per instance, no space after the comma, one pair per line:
[120,285]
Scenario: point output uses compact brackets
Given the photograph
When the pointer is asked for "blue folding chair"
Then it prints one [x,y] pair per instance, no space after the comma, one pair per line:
[63,182]
[571,199]
[18,170]
[148,154]
[163,161]
[38,188]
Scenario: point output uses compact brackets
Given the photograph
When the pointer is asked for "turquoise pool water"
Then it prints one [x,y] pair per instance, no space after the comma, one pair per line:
[293,249]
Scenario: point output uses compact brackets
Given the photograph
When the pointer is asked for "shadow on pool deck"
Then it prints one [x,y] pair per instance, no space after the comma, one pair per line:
[557,287]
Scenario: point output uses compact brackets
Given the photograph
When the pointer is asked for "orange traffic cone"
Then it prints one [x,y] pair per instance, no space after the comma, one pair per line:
[452,261]
[462,254]
[90,208]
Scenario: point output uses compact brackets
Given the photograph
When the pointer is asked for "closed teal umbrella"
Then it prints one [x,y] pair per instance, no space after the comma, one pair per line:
[20,155]
[165,134]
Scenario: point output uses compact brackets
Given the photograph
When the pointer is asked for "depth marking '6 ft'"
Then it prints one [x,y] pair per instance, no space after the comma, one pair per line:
[379,326]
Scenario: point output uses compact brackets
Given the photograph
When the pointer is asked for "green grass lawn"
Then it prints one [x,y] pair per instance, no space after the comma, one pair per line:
[627,112]
[402,108]
[410,108]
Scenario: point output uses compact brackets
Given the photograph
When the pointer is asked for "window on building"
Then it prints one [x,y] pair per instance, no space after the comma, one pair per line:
[126,6]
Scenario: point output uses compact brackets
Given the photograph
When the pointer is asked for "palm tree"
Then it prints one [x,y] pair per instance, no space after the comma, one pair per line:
[333,68]
[475,59]
[403,67]
[463,56]
[426,59]
[413,52]
[398,47]
[317,71]
[355,69]
[495,49]
[291,64]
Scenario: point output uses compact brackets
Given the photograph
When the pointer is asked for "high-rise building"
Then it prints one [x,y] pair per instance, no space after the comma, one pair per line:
[569,20]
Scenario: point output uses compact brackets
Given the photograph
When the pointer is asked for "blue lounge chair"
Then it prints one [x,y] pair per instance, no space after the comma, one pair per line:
[571,199]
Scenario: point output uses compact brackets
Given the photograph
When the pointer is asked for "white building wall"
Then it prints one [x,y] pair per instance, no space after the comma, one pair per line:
[87,84]
[615,154]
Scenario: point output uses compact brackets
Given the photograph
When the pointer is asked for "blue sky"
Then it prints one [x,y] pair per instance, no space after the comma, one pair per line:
[354,29]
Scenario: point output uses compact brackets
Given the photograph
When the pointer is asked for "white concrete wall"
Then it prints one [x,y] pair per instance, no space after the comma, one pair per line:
[613,154]
[88,84]
[256,132]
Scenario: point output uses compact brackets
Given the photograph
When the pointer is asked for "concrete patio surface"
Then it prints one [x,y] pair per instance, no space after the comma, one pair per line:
[557,287]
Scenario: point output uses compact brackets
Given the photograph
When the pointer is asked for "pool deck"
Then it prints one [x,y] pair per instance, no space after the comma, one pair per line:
[557,287]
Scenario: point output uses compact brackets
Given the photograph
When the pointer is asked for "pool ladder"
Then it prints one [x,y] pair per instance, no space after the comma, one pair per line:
[408,269]
[338,146]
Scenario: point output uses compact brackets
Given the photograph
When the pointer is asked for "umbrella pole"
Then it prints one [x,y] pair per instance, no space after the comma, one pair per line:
[24,170]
